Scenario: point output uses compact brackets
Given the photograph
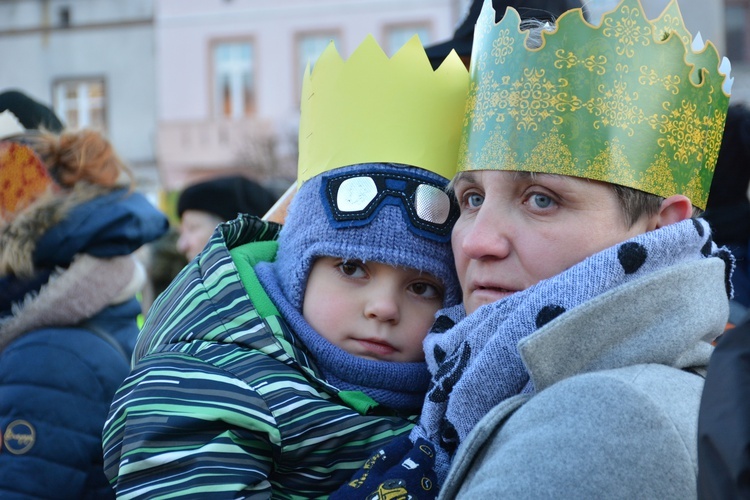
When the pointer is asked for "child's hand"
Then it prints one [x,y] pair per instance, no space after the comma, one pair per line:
[401,469]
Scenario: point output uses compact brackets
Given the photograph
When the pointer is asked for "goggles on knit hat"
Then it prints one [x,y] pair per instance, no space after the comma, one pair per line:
[395,225]
[355,198]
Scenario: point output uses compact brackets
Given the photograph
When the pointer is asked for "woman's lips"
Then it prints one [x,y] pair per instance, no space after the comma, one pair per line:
[491,293]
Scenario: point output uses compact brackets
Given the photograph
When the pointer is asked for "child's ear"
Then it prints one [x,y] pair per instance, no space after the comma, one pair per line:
[676,208]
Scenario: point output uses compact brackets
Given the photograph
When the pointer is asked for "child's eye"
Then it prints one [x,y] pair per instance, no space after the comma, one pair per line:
[426,290]
[353,269]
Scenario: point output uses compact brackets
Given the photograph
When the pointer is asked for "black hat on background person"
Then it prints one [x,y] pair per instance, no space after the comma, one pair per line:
[225,197]
[542,10]
[203,205]
[32,114]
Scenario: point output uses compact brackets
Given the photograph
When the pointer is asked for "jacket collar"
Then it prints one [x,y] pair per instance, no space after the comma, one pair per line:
[668,317]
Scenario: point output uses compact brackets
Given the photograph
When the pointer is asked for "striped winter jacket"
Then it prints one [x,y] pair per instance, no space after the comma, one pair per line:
[222,400]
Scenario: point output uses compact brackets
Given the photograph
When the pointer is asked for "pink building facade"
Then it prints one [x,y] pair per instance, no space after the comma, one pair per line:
[229,74]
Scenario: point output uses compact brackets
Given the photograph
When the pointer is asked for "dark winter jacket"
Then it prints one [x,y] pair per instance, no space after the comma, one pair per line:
[67,330]
[724,419]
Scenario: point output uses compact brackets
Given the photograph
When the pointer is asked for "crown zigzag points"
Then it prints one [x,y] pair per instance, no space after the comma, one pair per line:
[375,109]
[629,82]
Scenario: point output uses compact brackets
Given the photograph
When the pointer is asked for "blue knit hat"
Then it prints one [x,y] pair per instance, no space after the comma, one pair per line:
[394,228]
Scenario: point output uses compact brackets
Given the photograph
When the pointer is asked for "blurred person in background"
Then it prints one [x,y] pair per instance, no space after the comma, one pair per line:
[728,208]
[163,261]
[69,224]
[202,206]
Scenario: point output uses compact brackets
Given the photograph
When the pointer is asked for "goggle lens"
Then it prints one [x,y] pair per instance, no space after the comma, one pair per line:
[355,194]
[432,204]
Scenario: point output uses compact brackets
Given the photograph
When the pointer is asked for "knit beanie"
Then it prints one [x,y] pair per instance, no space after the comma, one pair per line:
[225,197]
[391,230]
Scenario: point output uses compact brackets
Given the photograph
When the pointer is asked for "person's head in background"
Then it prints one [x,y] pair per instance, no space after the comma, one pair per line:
[728,207]
[463,37]
[44,164]
[202,206]
[537,194]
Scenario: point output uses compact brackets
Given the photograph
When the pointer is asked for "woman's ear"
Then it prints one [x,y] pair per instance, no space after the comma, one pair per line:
[676,208]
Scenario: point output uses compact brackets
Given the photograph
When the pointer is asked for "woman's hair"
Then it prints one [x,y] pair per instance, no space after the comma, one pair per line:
[82,155]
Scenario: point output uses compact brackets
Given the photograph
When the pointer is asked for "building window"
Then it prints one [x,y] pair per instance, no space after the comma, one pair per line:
[309,48]
[64,15]
[81,103]
[234,79]
[397,36]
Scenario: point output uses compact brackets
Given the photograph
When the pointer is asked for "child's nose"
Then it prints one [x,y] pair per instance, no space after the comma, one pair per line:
[383,305]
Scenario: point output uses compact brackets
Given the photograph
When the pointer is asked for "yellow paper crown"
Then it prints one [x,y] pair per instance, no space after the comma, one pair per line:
[628,102]
[372,109]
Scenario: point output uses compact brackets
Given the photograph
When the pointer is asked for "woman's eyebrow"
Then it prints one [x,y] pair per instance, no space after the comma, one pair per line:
[463,178]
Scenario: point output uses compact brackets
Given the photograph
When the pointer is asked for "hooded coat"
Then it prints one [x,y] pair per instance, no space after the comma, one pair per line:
[614,416]
[67,329]
[224,399]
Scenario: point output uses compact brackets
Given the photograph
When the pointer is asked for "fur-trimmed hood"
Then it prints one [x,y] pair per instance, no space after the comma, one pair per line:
[74,295]
[18,240]
[86,219]
[67,257]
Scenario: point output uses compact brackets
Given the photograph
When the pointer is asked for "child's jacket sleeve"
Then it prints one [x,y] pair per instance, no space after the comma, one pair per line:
[191,429]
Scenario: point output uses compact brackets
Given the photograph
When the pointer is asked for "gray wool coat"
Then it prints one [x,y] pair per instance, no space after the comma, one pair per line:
[616,408]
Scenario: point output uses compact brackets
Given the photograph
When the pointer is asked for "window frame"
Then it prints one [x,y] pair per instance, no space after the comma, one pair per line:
[216,101]
[59,102]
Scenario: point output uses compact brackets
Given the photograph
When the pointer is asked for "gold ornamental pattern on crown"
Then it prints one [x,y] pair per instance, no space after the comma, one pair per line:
[631,101]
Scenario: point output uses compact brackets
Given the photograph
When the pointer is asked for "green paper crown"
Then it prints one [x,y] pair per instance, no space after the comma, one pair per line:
[627,102]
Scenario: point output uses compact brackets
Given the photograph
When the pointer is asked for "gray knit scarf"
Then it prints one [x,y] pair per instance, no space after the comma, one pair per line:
[476,364]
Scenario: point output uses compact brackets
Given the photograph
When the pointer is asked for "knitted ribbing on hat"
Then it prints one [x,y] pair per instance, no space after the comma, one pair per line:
[476,364]
[308,233]
[400,386]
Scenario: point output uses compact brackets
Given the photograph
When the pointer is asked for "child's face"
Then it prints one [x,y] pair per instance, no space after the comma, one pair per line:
[372,310]
[516,229]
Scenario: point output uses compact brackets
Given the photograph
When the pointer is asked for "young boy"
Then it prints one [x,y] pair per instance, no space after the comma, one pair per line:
[274,368]
[589,292]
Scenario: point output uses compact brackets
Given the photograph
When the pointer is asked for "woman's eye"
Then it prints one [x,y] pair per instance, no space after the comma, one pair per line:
[426,290]
[352,269]
[473,200]
[541,200]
